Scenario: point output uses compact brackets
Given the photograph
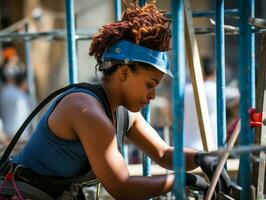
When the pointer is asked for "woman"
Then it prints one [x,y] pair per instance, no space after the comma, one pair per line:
[76,134]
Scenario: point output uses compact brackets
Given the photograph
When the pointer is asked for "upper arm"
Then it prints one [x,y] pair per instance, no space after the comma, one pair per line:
[147,139]
[97,135]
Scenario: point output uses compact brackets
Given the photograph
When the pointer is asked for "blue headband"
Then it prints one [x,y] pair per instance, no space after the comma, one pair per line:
[125,52]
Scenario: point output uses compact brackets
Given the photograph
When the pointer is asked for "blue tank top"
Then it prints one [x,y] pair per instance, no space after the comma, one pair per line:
[48,154]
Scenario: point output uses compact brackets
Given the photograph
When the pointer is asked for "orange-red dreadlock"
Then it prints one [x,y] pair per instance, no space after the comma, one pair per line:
[146,26]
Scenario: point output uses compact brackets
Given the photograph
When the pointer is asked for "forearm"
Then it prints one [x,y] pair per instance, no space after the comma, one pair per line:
[190,159]
[167,159]
[140,187]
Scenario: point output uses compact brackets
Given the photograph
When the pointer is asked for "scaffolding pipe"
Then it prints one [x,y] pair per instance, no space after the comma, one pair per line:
[82,34]
[220,63]
[146,162]
[30,74]
[30,70]
[118,13]
[71,42]
[178,86]
[253,61]
[211,13]
[87,34]
[142,2]
[245,96]
[118,10]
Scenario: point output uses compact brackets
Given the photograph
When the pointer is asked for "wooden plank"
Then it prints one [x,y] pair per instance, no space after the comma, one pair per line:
[258,173]
[197,80]
[136,169]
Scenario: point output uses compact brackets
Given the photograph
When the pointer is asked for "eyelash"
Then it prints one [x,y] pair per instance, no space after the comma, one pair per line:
[149,86]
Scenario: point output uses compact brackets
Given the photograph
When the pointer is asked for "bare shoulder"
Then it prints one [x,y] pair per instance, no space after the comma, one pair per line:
[74,111]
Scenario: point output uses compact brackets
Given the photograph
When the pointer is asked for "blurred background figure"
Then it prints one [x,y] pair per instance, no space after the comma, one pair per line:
[14,99]
[192,137]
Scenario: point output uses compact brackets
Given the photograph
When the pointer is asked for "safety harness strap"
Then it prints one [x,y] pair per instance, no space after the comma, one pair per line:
[97,89]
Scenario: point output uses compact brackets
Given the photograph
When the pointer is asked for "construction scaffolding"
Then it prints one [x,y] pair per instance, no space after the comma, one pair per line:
[182,18]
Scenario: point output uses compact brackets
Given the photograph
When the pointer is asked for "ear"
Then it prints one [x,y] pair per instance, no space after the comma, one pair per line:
[124,72]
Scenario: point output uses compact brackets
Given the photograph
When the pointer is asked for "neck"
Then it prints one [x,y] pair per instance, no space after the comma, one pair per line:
[112,94]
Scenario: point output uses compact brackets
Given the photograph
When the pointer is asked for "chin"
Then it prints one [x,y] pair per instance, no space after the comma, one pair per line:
[134,108]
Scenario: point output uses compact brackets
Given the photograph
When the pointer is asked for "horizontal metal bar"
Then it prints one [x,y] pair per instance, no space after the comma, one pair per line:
[87,34]
[81,34]
[239,150]
[209,13]
[211,31]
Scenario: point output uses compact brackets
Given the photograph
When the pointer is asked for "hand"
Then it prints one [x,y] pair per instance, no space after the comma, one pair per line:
[195,182]
[208,165]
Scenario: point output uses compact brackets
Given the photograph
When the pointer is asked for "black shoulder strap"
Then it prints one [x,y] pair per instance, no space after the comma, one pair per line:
[97,89]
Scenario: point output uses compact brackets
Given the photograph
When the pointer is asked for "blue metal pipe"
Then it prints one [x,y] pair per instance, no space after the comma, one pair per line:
[118,15]
[253,66]
[118,10]
[220,63]
[253,61]
[178,86]
[146,161]
[71,42]
[142,2]
[211,13]
[245,96]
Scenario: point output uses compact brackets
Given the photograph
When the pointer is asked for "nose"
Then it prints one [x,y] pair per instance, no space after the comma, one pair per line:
[151,94]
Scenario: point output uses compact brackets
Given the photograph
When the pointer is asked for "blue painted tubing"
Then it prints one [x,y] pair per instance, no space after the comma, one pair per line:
[220,63]
[245,96]
[253,66]
[118,15]
[118,10]
[71,42]
[211,13]
[253,61]
[142,2]
[178,86]
[146,161]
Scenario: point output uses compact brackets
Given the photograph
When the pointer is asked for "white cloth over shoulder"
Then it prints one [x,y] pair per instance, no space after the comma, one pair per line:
[192,137]
[123,124]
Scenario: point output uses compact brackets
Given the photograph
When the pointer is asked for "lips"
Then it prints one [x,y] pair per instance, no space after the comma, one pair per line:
[143,104]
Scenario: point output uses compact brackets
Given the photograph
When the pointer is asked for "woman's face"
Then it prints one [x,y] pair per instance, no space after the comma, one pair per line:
[139,87]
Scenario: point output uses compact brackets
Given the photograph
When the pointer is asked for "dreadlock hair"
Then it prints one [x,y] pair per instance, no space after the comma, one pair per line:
[146,26]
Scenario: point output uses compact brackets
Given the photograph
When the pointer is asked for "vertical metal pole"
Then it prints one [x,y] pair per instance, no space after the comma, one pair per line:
[253,62]
[146,162]
[178,95]
[118,13]
[71,42]
[220,63]
[245,96]
[142,2]
[30,70]
[118,10]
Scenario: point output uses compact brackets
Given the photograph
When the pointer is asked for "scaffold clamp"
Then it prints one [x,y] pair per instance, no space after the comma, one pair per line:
[255,118]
